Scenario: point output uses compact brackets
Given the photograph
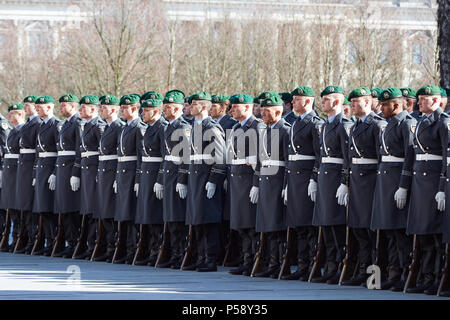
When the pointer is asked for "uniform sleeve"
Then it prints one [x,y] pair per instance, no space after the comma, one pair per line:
[344,142]
[255,157]
[183,168]
[408,146]
[443,136]
[76,169]
[378,129]
[3,136]
[139,147]
[218,170]
[315,133]
[286,142]
[162,148]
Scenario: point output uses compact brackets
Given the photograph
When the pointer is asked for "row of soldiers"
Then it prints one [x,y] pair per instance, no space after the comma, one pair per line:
[92,185]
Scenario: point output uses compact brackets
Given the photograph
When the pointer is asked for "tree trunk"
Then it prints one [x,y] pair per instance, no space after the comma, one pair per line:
[444,41]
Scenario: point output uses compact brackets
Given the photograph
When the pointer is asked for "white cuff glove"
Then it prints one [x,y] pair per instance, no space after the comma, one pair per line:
[115,186]
[225,185]
[74,183]
[33,182]
[285,195]
[312,190]
[210,189]
[440,199]
[182,190]
[158,189]
[400,197]
[52,182]
[254,193]
[136,189]
[341,195]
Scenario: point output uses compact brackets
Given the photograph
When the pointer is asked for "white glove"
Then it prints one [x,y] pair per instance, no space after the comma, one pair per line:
[33,182]
[1,179]
[400,197]
[440,199]
[285,195]
[342,195]
[225,185]
[158,189]
[74,183]
[182,190]
[312,190]
[210,189]
[136,189]
[115,186]
[52,182]
[254,193]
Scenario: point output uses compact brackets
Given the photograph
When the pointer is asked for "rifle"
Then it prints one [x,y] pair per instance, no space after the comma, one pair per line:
[349,268]
[98,241]
[141,245]
[287,257]
[39,241]
[5,235]
[259,259]
[21,238]
[81,244]
[188,259]
[445,283]
[319,257]
[119,251]
[414,267]
[164,249]
[59,240]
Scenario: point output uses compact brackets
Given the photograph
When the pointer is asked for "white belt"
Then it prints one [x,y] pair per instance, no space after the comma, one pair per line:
[152,159]
[47,154]
[172,158]
[448,160]
[391,159]
[127,158]
[237,162]
[296,157]
[66,153]
[89,154]
[108,157]
[425,157]
[27,150]
[11,156]
[273,163]
[197,157]
[332,160]
[364,161]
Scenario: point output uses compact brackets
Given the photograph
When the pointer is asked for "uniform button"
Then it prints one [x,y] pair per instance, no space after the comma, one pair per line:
[414,172]
[378,172]
[64,164]
[103,170]
[117,171]
[267,178]
[424,173]
[326,172]
[123,170]
[259,179]
[328,149]
[167,171]
[385,172]
[232,175]
[360,174]
[298,172]
[351,148]
[351,172]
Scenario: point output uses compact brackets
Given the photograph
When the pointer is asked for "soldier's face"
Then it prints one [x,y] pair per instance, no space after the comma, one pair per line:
[347,111]
[300,103]
[29,109]
[170,110]
[87,111]
[215,110]
[443,102]
[271,115]
[387,108]
[196,108]
[360,106]
[66,109]
[187,109]
[126,111]
[16,116]
[239,111]
[428,104]
[43,110]
[375,104]
[327,104]
[148,114]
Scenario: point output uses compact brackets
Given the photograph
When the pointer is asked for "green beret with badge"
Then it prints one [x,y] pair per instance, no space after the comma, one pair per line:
[286,96]
[69,98]
[390,93]
[109,100]
[219,98]
[375,92]
[44,100]
[429,90]
[90,99]
[202,95]
[443,93]
[408,93]
[330,90]
[267,94]
[152,95]
[241,99]
[129,99]
[174,96]
[31,99]
[303,91]
[359,92]
[151,103]
[17,106]
[272,101]
[176,90]
[346,101]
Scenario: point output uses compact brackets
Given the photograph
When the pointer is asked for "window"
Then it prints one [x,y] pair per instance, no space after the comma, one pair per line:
[417,53]
[351,56]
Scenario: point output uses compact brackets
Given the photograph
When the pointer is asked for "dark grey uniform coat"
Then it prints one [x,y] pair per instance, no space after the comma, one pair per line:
[47,138]
[242,176]
[446,220]
[364,142]
[67,200]
[25,166]
[270,209]
[4,131]
[128,172]
[149,208]
[207,138]
[396,140]
[333,144]
[107,169]
[430,137]
[290,117]
[304,139]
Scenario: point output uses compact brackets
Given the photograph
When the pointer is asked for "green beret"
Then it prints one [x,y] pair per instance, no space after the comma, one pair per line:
[135,94]
[129,99]
[359,92]
[152,95]
[44,100]
[90,99]
[256,100]
[443,93]
[202,95]
[176,90]
[31,98]
[330,90]
[150,103]
[69,98]
[18,106]
[267,94]
[408,93]
[272,101]
[174,96]
[390,93]
[109,99]
[219,98]
[375,92]
[447,90]
[303,91]
[346,101]
[429,90]
[241,99]
[286,96]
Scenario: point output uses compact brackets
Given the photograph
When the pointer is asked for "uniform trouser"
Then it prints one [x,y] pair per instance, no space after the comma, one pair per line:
[432,253]
[334,242]
[230,238]
[49,223]
[275,242]
[71,222]
[2,220]
[249,240]
[199,248]
[399,246]
[178,232]
[366,239]
[91,227]
[109,234]
[129,232]
[210,240]
[31,221]
[15,220]
[154,239]
[306,237]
